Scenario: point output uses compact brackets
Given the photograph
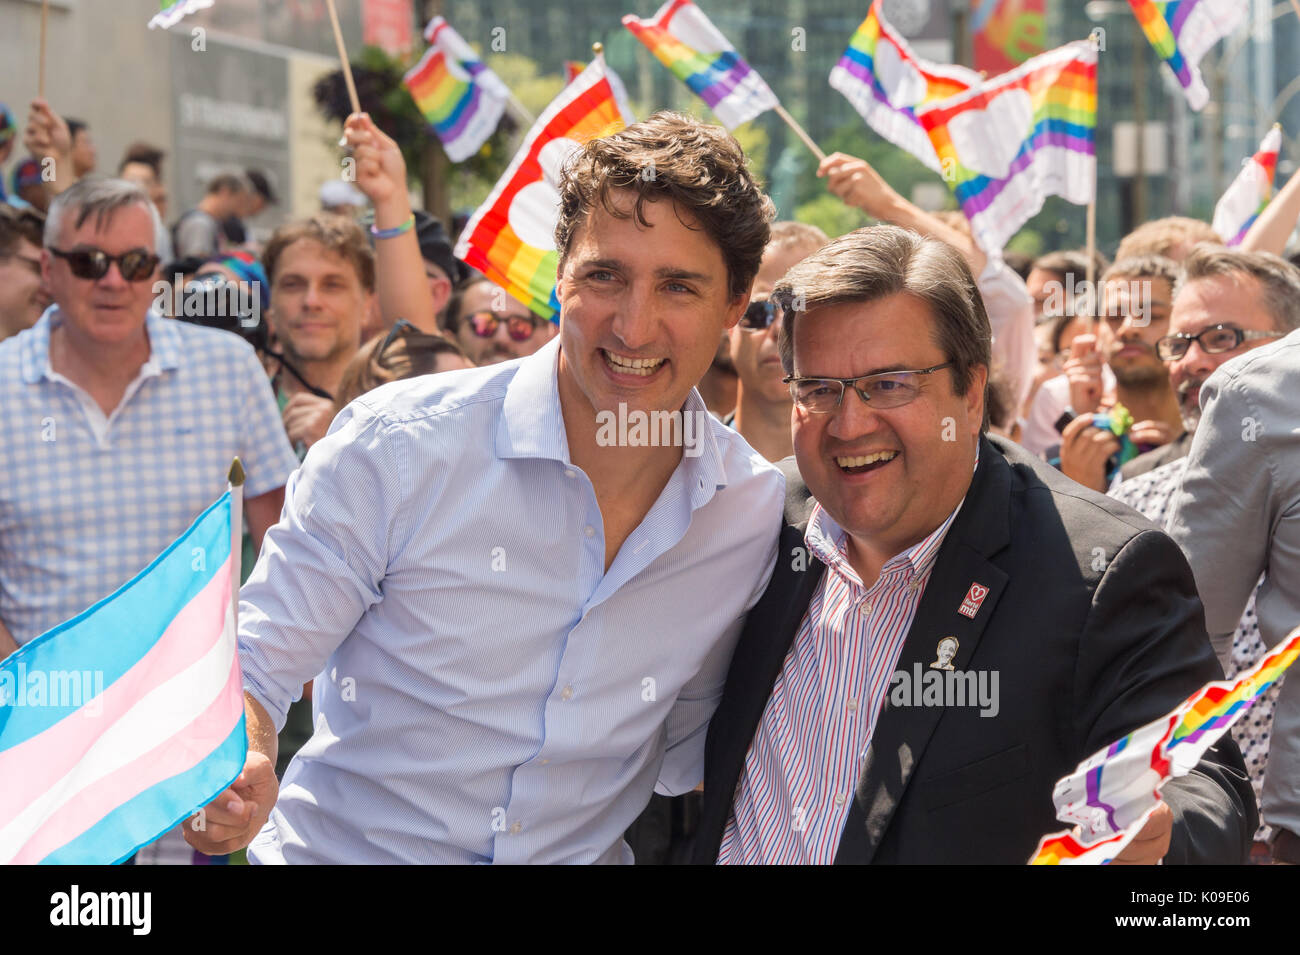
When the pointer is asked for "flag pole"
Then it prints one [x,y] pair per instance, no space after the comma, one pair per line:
[1090,225]
[343,57]
[236,480]
[799,131]
[40,76]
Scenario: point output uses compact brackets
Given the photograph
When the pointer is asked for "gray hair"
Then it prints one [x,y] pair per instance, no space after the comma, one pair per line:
[883,260]
[100,198]
[1279,280]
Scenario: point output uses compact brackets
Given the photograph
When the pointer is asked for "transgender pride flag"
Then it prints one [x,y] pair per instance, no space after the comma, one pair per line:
[682,39]
[118,724]
[1249,193]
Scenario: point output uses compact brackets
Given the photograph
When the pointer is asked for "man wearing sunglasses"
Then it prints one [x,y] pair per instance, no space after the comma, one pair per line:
[910,531]
[1232,503]
[119,425]
[490,326]
[762,414]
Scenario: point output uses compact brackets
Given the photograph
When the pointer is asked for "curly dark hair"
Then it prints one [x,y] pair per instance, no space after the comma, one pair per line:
[672,156]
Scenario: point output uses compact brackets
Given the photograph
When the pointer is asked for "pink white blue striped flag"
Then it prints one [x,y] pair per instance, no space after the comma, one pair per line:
[1250,192]
[119,723]
[683,39]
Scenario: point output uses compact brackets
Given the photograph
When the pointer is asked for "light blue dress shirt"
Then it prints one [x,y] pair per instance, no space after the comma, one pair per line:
[487,691]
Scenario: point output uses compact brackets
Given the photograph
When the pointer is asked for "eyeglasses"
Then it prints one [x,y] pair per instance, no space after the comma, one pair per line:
[400,327]
[518,327]
[886,389]
[1214,340]
[759,316]
[135,265]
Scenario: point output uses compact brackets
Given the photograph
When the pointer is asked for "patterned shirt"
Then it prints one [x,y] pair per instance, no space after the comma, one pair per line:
[797,785]
[89,500]
[1151,494]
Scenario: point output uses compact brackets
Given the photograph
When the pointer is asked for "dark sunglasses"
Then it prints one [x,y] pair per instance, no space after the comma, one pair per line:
[485,325]
[759,316]
[135,265]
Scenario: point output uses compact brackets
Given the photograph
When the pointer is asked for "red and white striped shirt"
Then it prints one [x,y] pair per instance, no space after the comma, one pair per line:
[803,765]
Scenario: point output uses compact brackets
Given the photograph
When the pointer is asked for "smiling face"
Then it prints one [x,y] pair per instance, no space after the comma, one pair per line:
[1232,300]
[319,303]
[108,311]
[889,503]
[642,309]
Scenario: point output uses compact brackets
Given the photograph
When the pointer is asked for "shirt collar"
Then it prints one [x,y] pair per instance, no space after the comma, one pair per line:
[829,543]
[532,425]
[164,345]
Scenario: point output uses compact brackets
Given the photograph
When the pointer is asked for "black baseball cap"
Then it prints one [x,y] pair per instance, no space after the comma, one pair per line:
[435,244]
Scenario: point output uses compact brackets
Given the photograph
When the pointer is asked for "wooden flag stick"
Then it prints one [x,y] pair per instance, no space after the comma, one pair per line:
[40,76]
[343,57]
[1091,244]
[799,131]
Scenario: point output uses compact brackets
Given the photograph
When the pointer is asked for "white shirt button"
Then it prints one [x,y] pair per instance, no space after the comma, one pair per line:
[914,584]
[566,693]
[851,705]
[570,473]
[589,531]
[516,827]
[865,608]
[839,801]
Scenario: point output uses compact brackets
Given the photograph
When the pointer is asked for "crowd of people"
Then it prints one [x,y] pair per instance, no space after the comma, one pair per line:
[1061,470]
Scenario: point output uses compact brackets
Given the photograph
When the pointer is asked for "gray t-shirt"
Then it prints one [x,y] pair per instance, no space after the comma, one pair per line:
[197,235]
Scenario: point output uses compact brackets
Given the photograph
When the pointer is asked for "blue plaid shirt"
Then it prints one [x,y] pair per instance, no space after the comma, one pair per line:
[87,501]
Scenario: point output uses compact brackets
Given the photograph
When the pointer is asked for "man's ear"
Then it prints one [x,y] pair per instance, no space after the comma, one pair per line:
[736,308]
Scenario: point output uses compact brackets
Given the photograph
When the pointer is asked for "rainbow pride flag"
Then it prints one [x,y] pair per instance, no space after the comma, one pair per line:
[459,96]
[1250,192]
[119,723]
[683,39]
[885,81]
[1008,143]
[1112,793]
[171,12]
[511,236]
[1182,32]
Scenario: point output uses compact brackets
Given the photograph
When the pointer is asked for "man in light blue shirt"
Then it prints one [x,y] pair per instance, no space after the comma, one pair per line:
[520,585]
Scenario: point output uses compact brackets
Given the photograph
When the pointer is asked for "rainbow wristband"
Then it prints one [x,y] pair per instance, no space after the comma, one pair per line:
[395,231]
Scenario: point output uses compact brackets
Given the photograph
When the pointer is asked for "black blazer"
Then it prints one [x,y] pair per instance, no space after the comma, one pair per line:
[1094,626]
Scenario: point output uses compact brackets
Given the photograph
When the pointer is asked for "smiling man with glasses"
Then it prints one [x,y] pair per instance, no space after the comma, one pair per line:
[909,529]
